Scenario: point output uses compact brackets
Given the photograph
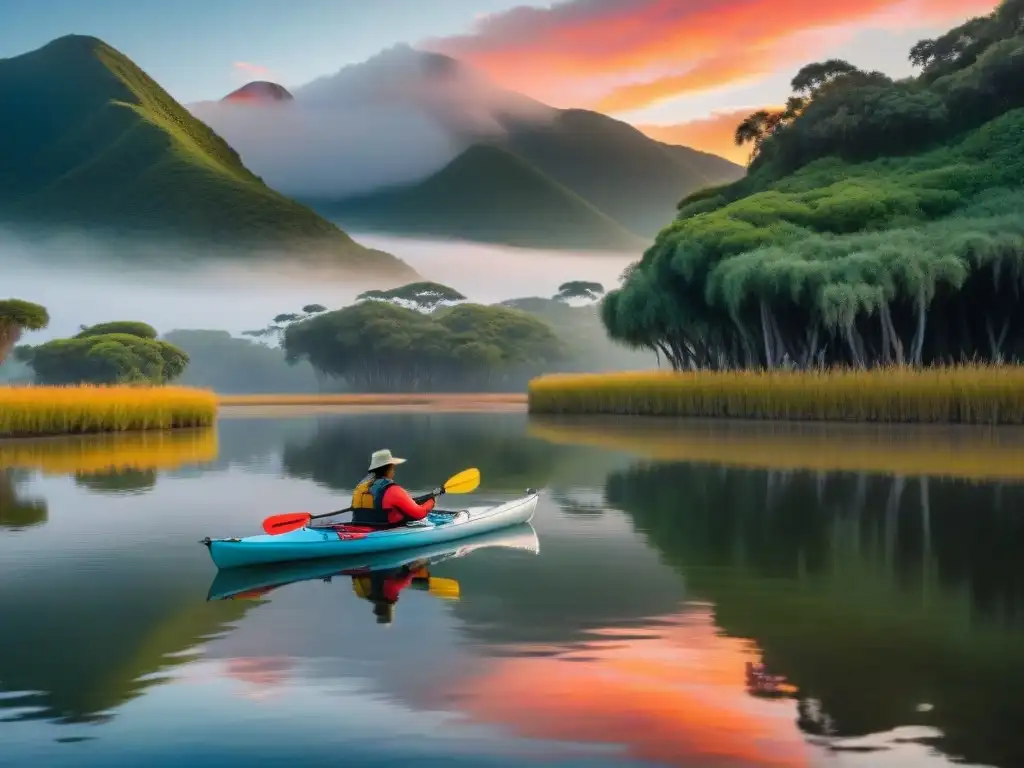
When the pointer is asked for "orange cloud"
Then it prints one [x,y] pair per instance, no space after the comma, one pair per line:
[712,134]
[677,697]
[248,69]
[637,52]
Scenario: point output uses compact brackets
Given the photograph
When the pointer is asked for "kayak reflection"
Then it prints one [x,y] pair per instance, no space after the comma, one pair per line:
[378,578]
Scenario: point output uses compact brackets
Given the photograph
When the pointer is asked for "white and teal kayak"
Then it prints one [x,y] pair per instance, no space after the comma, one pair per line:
[339,540]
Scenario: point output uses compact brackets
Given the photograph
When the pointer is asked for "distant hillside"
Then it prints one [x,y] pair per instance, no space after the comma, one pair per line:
[489,194]
[90,141]
[635,180]
[404,115]
[260,90]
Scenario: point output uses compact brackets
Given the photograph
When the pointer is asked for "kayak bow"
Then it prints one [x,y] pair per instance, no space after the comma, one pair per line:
[339,540]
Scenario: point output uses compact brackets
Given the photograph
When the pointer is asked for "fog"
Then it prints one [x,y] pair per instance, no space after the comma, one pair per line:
[80,283]
[395,118]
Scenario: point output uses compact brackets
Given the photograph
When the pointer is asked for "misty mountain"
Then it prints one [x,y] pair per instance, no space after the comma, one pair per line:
[488,194]
[92,143]
[375,129]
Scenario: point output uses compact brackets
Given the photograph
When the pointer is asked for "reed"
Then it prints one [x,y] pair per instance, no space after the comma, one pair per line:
[41,411]
[955,395]
[94,454]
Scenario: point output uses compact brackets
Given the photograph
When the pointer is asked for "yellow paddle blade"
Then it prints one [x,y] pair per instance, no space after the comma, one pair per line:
[447,589]
[466,481]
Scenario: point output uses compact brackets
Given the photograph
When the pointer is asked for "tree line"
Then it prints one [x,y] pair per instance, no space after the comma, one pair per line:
[879,223]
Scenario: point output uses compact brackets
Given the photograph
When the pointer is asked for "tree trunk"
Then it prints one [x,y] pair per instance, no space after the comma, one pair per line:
[769,356]
[922,316]
[9,336]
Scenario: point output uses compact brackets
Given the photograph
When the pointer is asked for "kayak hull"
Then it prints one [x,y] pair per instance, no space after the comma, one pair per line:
[319,542]
[231,582]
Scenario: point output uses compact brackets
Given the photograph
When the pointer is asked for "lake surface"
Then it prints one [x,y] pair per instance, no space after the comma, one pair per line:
[614,632]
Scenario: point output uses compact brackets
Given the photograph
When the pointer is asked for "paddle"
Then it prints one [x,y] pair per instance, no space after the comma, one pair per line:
[466,481]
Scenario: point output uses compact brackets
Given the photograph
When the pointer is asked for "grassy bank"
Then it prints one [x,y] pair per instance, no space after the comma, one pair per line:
[43,411]
[132,451]
[963,395]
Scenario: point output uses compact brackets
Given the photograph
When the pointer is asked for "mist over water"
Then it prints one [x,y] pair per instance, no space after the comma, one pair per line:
[81,283]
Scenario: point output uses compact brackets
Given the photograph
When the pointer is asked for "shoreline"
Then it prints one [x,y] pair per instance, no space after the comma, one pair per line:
[269,406]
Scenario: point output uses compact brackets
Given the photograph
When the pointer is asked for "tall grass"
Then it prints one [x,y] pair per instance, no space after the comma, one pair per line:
[39,411]
[958,395]
[138,451]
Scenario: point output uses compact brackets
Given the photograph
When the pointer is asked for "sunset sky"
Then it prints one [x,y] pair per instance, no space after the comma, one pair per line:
[682,70]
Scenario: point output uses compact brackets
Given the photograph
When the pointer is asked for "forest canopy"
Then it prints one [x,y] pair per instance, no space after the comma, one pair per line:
[379,346]
[122,352]
[880,223]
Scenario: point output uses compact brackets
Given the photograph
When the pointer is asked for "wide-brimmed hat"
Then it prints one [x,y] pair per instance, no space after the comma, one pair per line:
[382,458]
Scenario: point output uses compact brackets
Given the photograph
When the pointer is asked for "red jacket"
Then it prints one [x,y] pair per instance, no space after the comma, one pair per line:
[400,505]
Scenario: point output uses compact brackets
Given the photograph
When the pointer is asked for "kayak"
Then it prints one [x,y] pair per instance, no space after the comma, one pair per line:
[256,580]
[344,539]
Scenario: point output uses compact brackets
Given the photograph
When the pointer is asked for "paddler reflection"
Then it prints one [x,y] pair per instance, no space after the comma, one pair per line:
[383,588]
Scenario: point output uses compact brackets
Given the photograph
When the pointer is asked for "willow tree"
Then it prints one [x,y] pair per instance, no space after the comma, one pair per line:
[16,317]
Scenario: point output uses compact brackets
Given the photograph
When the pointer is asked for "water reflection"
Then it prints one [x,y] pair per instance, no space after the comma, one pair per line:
[889,601]
[885,607]
[16,511]
[379,578]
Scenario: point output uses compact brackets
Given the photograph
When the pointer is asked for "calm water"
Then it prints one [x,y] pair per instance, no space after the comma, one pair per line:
[614,632]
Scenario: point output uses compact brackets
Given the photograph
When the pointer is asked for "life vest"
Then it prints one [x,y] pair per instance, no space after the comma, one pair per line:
[368,501]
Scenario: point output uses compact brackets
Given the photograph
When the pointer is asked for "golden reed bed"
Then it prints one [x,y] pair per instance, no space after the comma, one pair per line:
[90,454]
[960,395]
[39,411]
[965,452]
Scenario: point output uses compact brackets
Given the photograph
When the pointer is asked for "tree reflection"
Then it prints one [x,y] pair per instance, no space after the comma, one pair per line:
[872,594]
[17,513]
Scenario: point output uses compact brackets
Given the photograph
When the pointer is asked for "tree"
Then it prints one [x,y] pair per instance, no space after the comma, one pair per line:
[16,317]
[129,327]
[812,78]
[879,224]
[280,322]
[579,289]
[379,346]
[421,296]
[106,358]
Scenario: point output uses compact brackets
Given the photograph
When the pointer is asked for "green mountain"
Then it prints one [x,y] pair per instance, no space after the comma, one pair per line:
[489,194]
[91,141]
[630,177]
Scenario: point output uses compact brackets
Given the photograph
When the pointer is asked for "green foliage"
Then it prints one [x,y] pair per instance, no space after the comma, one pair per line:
[579,289]
[16,317]
[96,143]
[583,336]
[230,365]
[872,229]
[129,327]
[106,358]
[378,346]
[425,296]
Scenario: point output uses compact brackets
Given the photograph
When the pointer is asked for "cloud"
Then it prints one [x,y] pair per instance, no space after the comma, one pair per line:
[710,134]
[247,70]
[644,51]
[393,119]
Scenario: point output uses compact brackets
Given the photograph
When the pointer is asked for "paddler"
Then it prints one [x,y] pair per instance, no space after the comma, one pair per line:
[379,501]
